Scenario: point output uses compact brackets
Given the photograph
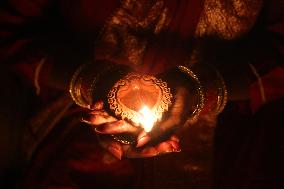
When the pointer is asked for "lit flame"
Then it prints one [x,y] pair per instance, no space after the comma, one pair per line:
[147,118]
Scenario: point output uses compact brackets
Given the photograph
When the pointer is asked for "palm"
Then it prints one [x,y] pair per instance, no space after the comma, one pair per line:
[105,125]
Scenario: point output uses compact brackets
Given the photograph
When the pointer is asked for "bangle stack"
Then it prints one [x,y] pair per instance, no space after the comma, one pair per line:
[210,88]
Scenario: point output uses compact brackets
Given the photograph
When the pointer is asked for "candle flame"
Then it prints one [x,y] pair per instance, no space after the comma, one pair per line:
[147,118]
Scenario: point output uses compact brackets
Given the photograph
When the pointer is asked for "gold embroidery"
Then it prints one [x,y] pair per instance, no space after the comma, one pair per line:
[228,19]
[124,36]
[126,33]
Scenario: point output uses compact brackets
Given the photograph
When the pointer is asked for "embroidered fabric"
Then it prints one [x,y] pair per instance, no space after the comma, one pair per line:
[122,36]
[228,19]
[126,33]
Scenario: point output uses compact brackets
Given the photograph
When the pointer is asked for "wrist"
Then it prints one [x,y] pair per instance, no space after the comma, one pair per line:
[210,87]
[90,82]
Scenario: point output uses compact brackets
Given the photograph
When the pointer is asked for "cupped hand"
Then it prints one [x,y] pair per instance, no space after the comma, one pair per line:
[175,119]
[105,125]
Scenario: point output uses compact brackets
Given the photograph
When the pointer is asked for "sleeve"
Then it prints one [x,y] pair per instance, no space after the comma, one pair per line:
[35,43]
[21,22]
[265,50]
[252,66]
[172,47]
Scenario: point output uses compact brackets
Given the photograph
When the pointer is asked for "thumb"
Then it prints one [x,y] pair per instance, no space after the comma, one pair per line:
[142,139]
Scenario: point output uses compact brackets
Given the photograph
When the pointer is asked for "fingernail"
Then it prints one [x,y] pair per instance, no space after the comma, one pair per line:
[142,141]
[88,117]
[86,121]
[171,151]
[149,152]
[176,150]
[175,146]
[99,130]
[115,151]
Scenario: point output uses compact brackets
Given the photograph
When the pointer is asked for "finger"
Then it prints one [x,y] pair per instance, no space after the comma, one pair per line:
[99,112]
[168,126]
[180,102]
[168,147]
[151,151]
[142,139]
[116,127]
[177,112]
[174,138]
[112,146]
[118,150]
[171,145]
[175,145]
[97,106]
[96,120]
[164,147]
[144,153]
[115,150]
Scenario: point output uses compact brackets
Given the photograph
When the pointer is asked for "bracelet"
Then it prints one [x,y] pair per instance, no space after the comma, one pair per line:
[217,83]
[75,88]
[222,97]
[83,83]
[199,89]
[37,74]
[259,82]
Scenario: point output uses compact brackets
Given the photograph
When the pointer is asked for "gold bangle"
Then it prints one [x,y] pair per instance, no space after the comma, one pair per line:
[124,139]
[83,83]
[222,94]
[222,97]
[259,82]
[37,74]
[199,88]
[75,88]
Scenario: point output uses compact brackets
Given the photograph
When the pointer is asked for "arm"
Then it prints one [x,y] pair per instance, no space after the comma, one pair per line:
[37,45]
[22,23]
[262,52]
[246,59]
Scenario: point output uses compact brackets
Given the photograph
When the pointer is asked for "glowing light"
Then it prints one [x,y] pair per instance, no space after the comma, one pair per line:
[147,118]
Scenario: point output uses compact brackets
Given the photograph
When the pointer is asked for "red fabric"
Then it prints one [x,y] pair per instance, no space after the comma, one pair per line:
[21,51]
[268,53]
[268,56]
[172,48]
[273,86]
[87,16]
[77,161]
[72,158]
[15,16]
[185,17]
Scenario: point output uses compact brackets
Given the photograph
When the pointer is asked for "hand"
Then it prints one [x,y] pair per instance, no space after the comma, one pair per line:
[175,120]
[105,125]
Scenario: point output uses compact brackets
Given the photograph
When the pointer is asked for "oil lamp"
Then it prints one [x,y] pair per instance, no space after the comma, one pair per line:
[139,99]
